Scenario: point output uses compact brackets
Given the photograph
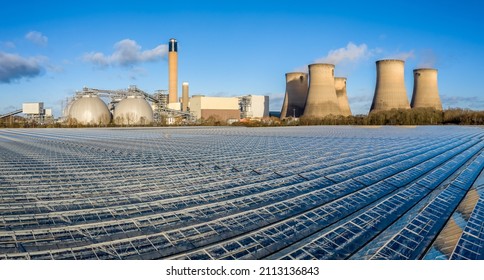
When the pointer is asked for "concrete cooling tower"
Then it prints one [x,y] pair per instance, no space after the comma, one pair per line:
[321,100]
[90,110]
[390,90]
[425,90]
[172,71]
[296,94]
[133,110]
[344,105]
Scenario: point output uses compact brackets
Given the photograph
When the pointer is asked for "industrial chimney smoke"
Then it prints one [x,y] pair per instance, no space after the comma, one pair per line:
[390,90]
[344,105]
[321,100]
[425,90]
[296,94]
[172,71]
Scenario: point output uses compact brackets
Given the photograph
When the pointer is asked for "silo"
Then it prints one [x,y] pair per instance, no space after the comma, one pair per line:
[344,105]
[133,110]
[184,96]
[89,110]
[425,90]
[296,94]
[321,100]
[172,71]
[390,90]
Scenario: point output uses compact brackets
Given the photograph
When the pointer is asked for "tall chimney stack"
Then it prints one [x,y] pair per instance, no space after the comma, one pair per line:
[185,96]
[172,71]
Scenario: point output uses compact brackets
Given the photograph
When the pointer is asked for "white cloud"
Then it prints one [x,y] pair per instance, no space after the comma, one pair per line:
[351,53]
[404,55]
[471,102]
[8,45]
[37,38]
[427,59]
[126,53]
[14,67]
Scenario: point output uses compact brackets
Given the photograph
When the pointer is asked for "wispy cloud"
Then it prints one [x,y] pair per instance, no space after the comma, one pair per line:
[468,102]
[7,45]
[402,55]
[427,59]
[14,67]
[126,53]
[350,54]
[405,55]
[37,38]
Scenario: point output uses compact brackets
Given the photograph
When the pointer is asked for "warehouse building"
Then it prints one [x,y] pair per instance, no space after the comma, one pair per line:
[220,108]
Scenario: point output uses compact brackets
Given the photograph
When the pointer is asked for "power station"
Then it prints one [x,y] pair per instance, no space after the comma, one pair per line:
[321,100]
[296,94]
[344,105]
[425,90]
[390,90]
[316,94]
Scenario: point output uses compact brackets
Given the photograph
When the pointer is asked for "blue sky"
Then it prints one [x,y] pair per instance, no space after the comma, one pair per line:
[228,48]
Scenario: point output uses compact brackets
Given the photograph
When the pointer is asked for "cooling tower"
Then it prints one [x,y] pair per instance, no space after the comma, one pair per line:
[321,100]
[296,93]
[390,90]
[344,105]
[184,96]
[90,110]
[133,110]
[172,71]
[425,90]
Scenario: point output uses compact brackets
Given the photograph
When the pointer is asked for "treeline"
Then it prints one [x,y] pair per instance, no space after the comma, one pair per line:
[421,116]
[393,117]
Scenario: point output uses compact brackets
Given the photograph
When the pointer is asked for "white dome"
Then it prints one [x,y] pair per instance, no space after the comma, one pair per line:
[89,110]
[133,110]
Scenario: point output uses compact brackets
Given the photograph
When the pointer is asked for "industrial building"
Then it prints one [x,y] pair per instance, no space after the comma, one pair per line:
[344,105]
[133,106]
[390,92]
[220,108]
[34,111]
[254,106]
[425,89]
[232,193]
[321,100]
[296,95]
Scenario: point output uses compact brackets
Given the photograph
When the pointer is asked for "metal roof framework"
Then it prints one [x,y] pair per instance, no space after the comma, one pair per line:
[233,193]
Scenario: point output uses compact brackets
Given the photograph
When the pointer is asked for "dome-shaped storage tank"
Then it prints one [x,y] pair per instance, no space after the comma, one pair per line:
[89,110]
[133,110]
